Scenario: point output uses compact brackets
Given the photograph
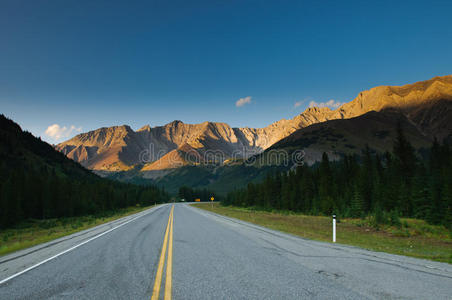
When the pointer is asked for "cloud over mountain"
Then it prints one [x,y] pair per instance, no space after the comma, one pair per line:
[57,132]
[297,104]
[243,101]
[333,104]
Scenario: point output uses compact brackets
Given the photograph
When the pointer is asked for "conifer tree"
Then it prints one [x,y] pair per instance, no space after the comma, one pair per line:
[356,209]
[325,185]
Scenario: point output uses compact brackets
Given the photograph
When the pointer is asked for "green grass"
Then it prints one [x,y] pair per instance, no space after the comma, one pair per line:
[414,238]
[34,232]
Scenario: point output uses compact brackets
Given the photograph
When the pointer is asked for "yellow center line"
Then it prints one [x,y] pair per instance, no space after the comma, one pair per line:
[169,263]
[158,276]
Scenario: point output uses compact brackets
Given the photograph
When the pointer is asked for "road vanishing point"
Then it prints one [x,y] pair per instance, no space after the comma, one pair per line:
[177,251]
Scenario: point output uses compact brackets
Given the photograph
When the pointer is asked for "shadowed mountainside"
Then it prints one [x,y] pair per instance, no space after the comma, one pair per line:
[377,130]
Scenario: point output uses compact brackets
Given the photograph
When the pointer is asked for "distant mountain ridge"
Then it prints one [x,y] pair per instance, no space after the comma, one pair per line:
[120,148]
[427,105]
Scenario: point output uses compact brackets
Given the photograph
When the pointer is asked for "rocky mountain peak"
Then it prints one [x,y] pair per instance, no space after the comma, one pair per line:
[145,128]
[175,123]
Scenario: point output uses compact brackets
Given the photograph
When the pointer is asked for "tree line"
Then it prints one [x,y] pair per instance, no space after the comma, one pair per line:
[397,183]
[36,181]
[190,195]
[45,194]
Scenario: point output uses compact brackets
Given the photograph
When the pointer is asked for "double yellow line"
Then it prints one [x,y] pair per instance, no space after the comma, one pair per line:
[167,243]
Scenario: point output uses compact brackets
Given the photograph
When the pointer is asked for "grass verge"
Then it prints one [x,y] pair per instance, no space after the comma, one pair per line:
[413,238]
[34,232]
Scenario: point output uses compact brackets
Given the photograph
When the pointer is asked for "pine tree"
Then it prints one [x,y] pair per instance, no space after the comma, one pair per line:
[421,194]
[436,208]
[356,209]
[404,155]
[367,180]
[325,185]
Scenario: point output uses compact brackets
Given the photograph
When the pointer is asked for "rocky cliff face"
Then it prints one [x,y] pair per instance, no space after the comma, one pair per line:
[426,104]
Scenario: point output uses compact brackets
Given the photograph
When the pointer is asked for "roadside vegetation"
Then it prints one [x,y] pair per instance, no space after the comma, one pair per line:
[34,231]
[399,184]
[404,236]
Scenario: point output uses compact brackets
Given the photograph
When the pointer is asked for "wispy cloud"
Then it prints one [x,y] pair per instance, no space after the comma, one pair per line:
[297,104]
[333,104]
[243,101]
[56,132]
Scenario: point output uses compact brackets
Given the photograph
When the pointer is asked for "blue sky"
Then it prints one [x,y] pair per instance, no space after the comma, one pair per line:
[89,64]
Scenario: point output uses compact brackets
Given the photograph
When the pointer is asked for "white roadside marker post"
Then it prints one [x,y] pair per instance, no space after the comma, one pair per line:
[334,228]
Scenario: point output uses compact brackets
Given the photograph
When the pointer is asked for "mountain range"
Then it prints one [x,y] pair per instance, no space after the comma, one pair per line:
[423,109]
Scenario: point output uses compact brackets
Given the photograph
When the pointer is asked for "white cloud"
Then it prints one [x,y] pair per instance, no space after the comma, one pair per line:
[331,104]
[297,104]
[57,132]
[243,101]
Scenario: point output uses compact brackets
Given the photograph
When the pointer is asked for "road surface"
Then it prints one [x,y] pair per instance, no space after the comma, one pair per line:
[208,256]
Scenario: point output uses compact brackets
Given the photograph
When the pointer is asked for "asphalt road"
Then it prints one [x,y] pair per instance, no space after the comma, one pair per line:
[211,257]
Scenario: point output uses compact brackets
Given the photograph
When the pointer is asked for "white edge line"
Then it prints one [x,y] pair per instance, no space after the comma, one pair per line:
[70,249]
